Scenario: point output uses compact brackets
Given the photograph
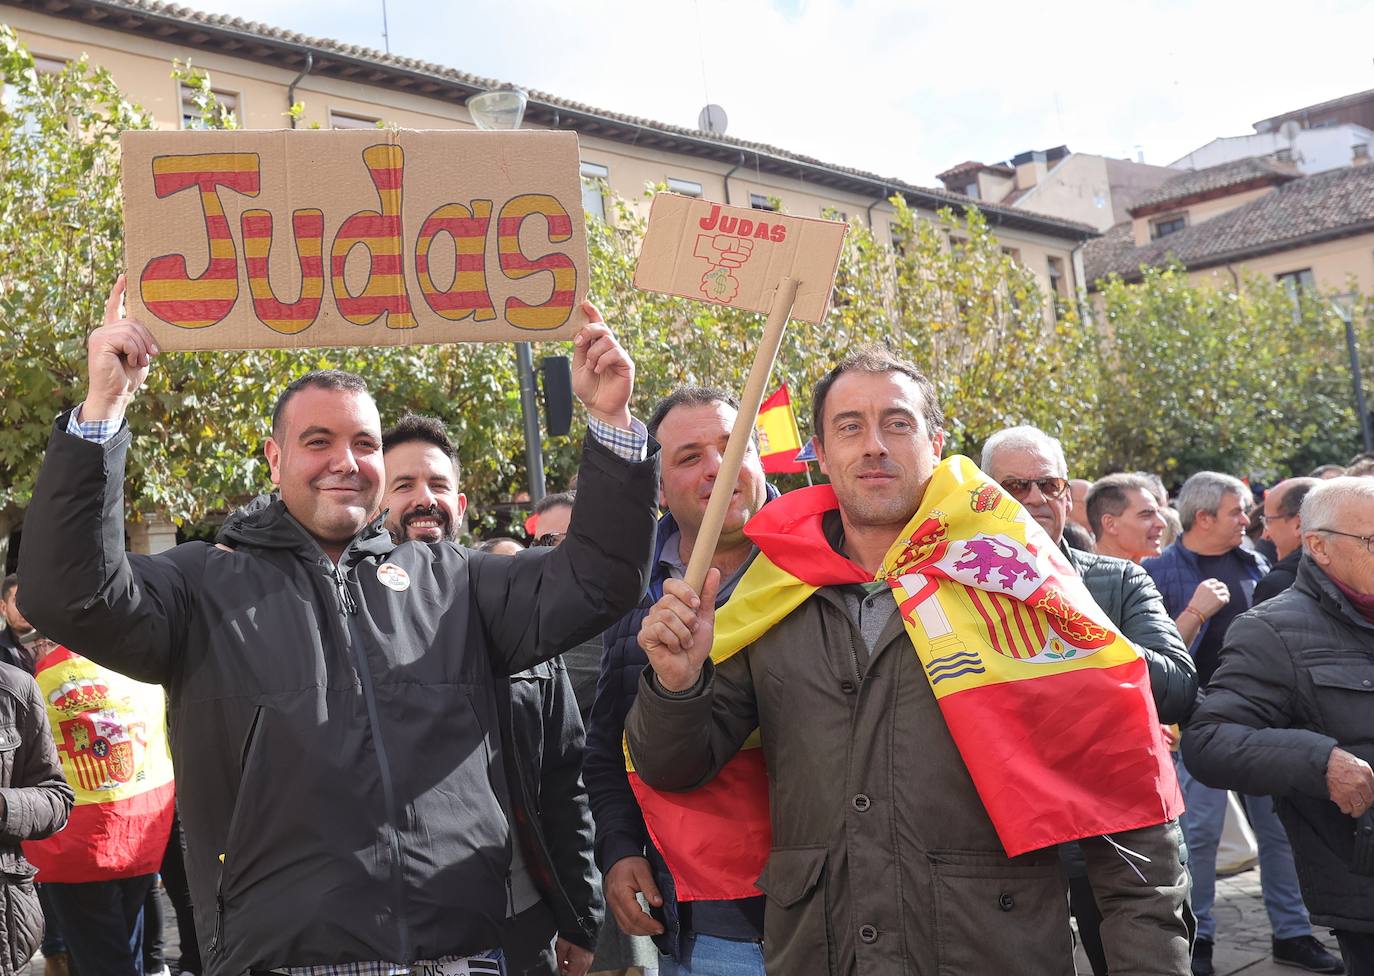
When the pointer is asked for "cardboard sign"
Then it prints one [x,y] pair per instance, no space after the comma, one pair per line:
[242,240]
[732,256]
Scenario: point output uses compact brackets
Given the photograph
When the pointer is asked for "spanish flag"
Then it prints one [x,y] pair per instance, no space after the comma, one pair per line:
[779,441]
[111,738]
[1049,706]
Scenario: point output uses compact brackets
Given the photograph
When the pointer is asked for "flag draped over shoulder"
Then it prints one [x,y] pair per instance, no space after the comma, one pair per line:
[111,738]
[779,440]
[1049,706]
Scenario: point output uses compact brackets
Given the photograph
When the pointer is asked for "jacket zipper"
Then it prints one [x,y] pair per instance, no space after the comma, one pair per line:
[349,610]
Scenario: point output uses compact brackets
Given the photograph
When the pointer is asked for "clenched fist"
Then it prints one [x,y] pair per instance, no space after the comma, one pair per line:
[677,632]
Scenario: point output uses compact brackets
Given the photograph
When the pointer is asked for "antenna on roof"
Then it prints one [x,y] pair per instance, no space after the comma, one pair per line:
[712,119]
[386,36]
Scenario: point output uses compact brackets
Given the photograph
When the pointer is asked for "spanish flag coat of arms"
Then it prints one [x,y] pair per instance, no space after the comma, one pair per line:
[1048,705]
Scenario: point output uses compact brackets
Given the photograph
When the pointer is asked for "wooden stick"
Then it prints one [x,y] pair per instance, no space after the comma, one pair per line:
[709,533]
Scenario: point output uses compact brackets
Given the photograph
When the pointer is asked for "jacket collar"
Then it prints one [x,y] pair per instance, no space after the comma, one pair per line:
[1317,585]
[264,523]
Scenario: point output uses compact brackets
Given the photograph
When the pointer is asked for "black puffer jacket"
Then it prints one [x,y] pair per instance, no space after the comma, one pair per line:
[1296,679]
[337,730]
[36,801]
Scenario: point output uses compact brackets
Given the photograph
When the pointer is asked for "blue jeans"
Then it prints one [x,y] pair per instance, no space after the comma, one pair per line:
[102,922]
[706,955]
[1202,821]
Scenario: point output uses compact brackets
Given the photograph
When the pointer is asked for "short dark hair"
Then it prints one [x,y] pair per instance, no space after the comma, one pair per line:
[322,379]
[7,587]
[418,427]
[1290,503]
[553,501]
[1321,471]
[876,359]
[1107,496]
[690,396]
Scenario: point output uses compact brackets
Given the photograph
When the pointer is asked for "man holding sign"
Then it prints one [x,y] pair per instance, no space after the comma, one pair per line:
[336,731]
[938,702]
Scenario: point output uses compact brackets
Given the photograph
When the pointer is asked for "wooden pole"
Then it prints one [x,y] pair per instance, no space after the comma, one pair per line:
[728,475]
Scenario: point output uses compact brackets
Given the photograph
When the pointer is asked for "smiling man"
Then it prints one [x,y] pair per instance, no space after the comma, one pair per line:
[336,697]
[883,857]
[1125,517]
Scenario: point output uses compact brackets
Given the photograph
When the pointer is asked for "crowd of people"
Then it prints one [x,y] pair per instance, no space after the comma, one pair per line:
[937,715]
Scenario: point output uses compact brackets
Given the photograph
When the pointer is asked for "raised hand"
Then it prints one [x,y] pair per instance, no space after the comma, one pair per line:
[1209,597]
[117,358]
[603,375]
[677,632]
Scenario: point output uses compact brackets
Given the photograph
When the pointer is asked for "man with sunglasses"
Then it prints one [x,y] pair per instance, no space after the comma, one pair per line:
[1288,713]
[1030,465]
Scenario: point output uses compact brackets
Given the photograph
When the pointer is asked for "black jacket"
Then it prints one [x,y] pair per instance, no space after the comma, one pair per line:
[36,801]
[549,742]
[1278,579]
[338,742]
[12,652]
[1296,679]
[1130,600]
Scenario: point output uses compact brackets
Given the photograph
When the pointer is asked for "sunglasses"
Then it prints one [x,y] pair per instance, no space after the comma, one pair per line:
[550,538]
[1049,487]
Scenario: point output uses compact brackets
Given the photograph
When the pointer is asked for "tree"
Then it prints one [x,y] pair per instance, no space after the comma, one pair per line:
[1248,380]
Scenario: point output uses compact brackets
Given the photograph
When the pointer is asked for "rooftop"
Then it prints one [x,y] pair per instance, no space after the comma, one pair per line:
[1191,186]
[1299,213]
[240,38]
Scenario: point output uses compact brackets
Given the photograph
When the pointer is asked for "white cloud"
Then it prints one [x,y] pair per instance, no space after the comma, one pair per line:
[899,88]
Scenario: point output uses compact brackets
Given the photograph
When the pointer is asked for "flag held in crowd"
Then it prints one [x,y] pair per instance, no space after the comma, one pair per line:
[779,440]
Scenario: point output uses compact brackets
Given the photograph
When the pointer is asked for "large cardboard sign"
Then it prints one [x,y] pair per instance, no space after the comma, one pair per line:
[731,256]
[239,240]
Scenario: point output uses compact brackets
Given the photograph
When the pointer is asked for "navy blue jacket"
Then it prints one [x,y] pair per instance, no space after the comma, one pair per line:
[1177,574]
[620,830]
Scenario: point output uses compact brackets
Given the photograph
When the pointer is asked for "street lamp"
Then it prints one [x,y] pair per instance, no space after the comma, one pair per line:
[1344,307]
[504,109]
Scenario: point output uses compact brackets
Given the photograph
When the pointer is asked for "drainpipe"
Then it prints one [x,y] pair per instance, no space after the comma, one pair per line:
[291,88]
[881,199]
[730,174]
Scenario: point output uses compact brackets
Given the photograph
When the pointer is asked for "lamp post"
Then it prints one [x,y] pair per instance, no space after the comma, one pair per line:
[1344,307]
[504,108]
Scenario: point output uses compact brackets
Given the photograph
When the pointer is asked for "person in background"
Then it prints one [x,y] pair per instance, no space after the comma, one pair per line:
[16,634]
[1126,518]
[553,889]
[1282,514]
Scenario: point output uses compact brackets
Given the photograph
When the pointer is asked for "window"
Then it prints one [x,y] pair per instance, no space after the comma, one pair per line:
[594,177]
[830,213]
[1165,226]
[1014,253]
[897,236]
[10,100]
[971,190]
[191,116]
[342,120]
[688,188]
[1297,282]
[760,202]
[1059,286]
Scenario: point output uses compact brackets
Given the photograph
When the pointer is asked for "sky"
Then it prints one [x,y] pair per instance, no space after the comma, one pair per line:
[902,88]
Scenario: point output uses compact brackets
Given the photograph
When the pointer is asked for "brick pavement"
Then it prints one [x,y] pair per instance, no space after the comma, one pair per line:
[1242,928]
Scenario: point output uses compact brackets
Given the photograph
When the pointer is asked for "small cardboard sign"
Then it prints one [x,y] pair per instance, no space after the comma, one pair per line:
[255,239]
[732,256]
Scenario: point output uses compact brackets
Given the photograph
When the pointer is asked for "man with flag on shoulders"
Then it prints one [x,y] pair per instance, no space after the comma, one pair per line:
[938,702]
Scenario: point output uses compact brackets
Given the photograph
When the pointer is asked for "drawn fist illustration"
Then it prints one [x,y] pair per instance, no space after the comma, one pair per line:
[724,250]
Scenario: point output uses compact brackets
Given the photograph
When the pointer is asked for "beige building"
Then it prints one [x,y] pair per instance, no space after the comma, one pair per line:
[1082,187]
[259,72]
[1257,214]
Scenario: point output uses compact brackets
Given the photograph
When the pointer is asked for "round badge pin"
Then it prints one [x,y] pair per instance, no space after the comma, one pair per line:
[393,577]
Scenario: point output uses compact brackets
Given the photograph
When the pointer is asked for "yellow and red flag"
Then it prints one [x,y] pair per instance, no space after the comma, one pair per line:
[779,440]
[111,735]
[1049,706]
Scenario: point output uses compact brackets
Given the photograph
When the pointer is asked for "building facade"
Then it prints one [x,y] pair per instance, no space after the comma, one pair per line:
[260,72]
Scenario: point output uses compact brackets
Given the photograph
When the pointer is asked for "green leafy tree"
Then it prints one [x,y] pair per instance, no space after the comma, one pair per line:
[1249,380]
